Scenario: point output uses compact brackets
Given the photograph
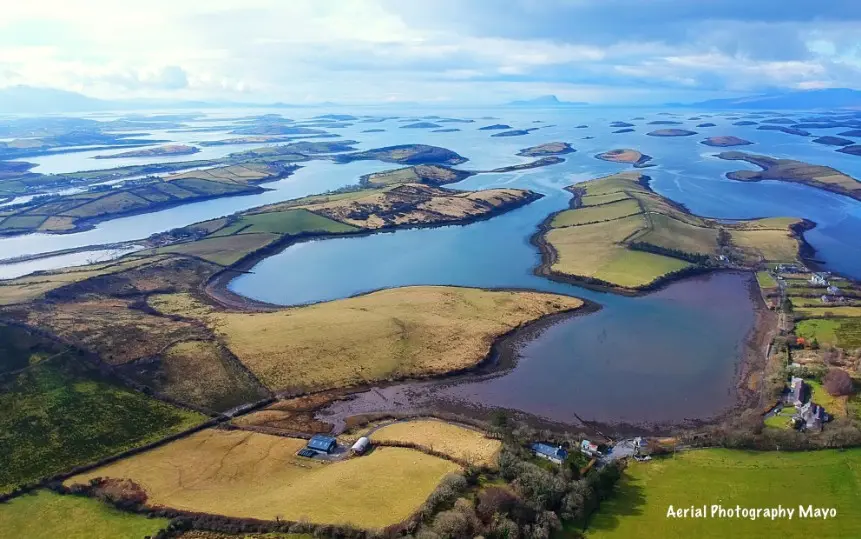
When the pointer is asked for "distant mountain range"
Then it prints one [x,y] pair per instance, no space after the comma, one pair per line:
[830,98]
[29,99]
[546,101]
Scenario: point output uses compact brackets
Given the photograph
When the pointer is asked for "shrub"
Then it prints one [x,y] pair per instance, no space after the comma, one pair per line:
[838,382]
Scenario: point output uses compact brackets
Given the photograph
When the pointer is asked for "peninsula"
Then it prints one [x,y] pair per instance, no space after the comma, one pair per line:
[789,170]
[159,151]
[623,236]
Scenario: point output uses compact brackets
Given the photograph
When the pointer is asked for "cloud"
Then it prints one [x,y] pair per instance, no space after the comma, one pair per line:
[492,50]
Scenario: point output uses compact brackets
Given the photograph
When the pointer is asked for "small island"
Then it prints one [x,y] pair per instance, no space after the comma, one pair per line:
[625,130]
[784,129]
[671,133]
[621,124]
[665,122]
[582,126]
[514,132]
[725,141]
[421,125]
[789,170]
[706,124]
[158,151]
[446,130]
[373,131]
[405,154]
[851,133]
[780,121]
[744,122]
[494,127]
[833,141]
[628,156]
[855,149]
[549,148]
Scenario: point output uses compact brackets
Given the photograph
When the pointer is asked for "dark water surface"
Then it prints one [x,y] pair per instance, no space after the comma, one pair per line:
[663,358]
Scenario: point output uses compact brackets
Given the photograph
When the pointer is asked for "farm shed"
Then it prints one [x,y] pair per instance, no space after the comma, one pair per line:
[361,445]
[552,453]
[323,444]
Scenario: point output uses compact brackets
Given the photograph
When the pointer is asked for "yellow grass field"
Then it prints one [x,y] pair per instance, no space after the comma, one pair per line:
[253,475]
[387,334]
[458,442]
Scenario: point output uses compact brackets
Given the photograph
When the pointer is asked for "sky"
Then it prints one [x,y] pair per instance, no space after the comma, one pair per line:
[430,51]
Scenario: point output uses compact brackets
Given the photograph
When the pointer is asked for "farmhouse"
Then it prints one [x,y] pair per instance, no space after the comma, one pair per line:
[554,454]
[589,448]
[321,444]
[797,391]
[819,279]
[811,417]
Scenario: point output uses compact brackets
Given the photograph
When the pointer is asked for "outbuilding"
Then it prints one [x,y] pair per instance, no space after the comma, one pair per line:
[361,445]
[322,444]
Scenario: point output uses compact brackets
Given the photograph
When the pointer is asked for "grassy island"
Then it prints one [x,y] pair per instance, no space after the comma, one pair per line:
[548,148]
[626,155]
[789,170]
[621,234]
[725,141]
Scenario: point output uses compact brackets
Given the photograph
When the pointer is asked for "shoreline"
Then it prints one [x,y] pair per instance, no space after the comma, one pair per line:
[216,288]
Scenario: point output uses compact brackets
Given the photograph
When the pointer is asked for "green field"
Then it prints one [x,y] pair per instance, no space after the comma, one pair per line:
[284,222]
[765,280]
[823,330]
[593,214]
[46,515]
[730,478]
[223,250]
[57,415]
[625,234]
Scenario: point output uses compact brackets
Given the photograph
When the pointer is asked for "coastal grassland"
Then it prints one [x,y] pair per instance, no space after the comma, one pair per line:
[393,333]
[458,442]
[114,328]
[597,251]
[621,233]
[198,534]
[722,476]
[70,212]
[31,287]
[60,413]
[202,373]
[789,170]
[284,222]
[46,515]
[221,250]
[248,474]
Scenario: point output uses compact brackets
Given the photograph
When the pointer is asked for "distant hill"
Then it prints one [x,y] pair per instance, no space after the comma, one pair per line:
[830,98]
[30,99]
[546,101]
[46,100]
